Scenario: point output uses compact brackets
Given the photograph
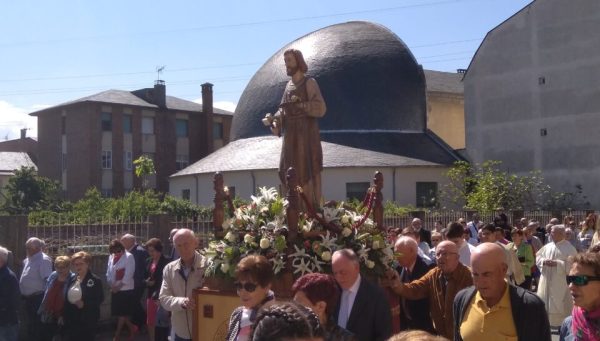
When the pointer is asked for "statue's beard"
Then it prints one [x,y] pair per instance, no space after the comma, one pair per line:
[291,70]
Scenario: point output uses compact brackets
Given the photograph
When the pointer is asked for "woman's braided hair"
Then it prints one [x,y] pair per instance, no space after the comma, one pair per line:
[282,321]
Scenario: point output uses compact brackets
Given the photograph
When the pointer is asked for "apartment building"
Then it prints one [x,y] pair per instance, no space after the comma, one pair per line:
[92,141]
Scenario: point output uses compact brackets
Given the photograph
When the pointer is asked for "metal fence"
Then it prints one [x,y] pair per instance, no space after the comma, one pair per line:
[94,237]
[91,237]
[203,228]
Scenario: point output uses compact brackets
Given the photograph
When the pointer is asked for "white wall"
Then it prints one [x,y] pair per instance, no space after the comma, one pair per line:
[334,182]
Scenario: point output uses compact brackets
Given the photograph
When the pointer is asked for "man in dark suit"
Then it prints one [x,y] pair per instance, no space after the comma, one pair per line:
[363,308]
[425,235]
[140,255]
[414,314]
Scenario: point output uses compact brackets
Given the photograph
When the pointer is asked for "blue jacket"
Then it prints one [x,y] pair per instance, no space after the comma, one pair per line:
[9,297]
[49,283]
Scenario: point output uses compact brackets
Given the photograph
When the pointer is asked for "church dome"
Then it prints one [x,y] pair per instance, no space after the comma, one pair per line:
[368,77]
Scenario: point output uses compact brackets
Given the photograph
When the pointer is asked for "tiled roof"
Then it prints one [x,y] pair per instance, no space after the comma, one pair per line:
[10,161]
[128,98]
[439,81]
[395,150]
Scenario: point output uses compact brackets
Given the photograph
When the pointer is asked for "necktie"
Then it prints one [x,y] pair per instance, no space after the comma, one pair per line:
[344,309]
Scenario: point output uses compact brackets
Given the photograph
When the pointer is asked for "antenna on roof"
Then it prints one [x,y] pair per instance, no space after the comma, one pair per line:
[159,70]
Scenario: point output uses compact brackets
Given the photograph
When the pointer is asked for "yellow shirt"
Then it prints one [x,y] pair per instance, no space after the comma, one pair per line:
[490,324]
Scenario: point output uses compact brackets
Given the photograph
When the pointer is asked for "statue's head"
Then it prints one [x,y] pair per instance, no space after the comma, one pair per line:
[294,62]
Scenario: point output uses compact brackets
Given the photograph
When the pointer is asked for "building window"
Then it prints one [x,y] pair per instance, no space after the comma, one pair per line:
[127,123]
[427,194]
[148,125]
[106,193]
[356,190]
[106,159]
[63,125]
[185,194]
[128,161]
[106,121]
[217,130]
[64,162]
[181,161]
[181,128]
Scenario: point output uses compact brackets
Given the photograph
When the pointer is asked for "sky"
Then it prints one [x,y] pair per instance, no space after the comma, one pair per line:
[57,51]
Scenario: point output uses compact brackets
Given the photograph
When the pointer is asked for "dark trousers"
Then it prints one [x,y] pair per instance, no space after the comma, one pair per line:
[49,330]
[138,316]
[177,338]
[34,324]
[161,334]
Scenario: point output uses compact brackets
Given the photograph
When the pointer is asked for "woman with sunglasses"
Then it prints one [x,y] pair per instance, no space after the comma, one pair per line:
[254,275]
[119,275]
[584,285]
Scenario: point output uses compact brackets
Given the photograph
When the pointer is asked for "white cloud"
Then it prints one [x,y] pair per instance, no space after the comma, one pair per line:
[225,105]
[13,119]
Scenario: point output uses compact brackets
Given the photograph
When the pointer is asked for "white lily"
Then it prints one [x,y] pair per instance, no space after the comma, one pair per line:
[301,266]
[317,264]
[363,253]
[278,265]
[328,241]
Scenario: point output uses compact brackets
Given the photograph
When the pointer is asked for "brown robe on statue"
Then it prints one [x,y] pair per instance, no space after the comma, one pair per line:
[301,146]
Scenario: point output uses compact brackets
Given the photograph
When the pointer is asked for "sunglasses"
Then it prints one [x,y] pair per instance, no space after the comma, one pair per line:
[581,280]
[249,287]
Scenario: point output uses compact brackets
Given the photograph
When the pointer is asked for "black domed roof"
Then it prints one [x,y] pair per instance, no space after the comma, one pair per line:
[368,77]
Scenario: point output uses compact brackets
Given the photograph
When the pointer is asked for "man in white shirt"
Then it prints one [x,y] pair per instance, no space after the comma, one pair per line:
[37,267]
[455,234]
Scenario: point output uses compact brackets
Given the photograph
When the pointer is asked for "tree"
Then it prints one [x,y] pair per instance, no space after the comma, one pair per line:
[144,167]
[485,187]
[26,191]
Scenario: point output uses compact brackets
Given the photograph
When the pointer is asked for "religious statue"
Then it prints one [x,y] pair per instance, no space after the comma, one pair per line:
[301,106]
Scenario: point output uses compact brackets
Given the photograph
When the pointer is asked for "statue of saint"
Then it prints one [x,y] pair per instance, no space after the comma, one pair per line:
[301,106]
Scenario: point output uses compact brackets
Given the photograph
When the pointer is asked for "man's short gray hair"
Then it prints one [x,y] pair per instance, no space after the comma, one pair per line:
[128,236]
[406,241]
[3,255]
[559,228]
[35,242]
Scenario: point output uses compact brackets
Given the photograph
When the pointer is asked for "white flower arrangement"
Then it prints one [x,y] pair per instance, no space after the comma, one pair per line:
[259,228]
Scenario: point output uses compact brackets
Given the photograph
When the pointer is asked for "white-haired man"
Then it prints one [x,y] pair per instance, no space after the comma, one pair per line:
[414,314]
[37,267]
[139,285]
[425,235]
[553,262]
[180,278]
[9,299]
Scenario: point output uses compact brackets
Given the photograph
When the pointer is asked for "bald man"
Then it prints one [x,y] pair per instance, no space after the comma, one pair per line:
[414,314]
[180,278]
[440,284]
[492,309]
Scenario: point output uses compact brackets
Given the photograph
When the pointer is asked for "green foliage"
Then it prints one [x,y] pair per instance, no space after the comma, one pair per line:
[26,191]
[391,208]
[135,205]
[487,188]
[144,167]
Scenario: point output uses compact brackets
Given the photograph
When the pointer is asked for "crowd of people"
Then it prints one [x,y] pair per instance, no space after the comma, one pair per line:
[465,281]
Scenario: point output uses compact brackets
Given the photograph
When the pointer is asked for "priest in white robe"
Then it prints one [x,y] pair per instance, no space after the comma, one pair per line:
[553,262]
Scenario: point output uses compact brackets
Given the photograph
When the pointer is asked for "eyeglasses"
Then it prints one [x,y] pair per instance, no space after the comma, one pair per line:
[248,286]
[444,254]
[581,280]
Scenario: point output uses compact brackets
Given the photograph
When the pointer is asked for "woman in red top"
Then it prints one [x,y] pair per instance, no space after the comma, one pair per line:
[154,274]
[52,307]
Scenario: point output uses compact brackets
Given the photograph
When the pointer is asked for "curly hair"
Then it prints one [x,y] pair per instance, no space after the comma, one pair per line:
[281,321]
[319,287]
